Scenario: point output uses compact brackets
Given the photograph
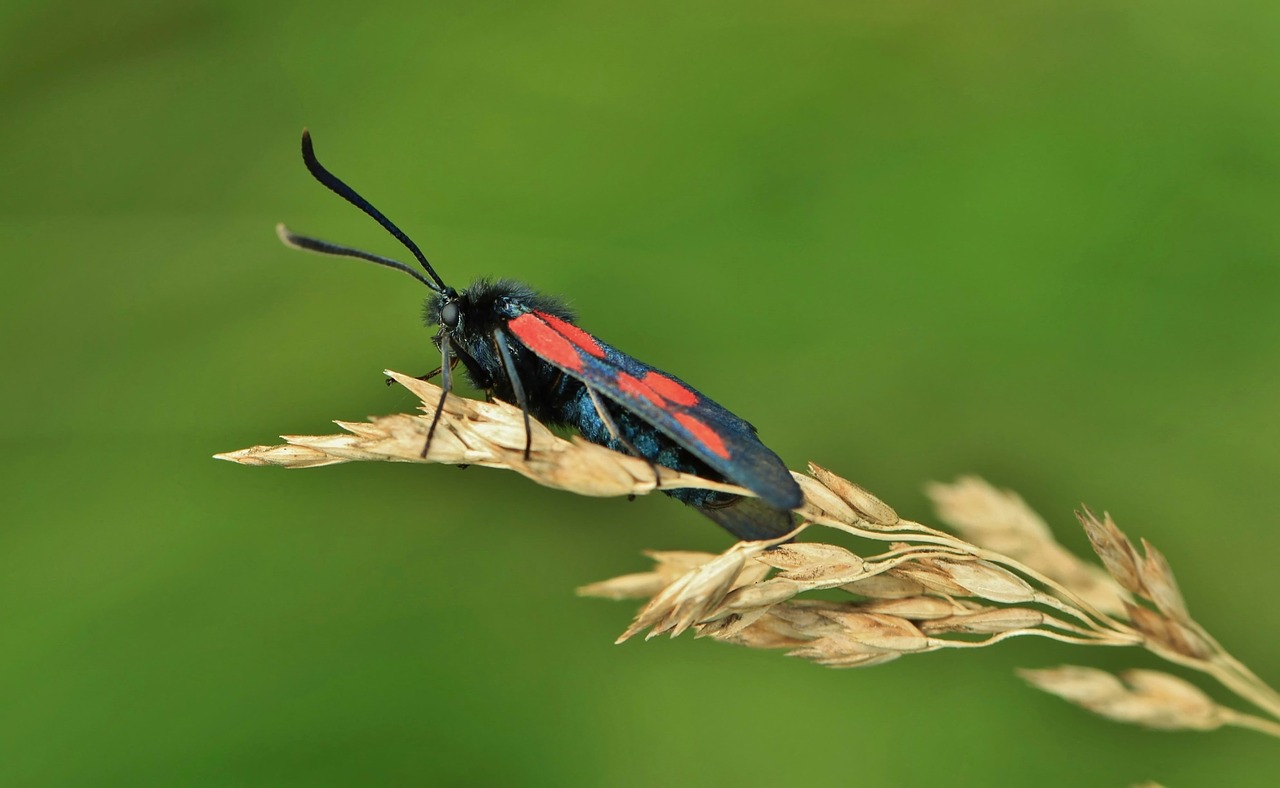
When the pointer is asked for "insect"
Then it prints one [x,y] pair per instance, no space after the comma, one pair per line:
[524,347]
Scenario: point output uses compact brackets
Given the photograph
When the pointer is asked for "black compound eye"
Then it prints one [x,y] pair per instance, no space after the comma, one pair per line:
[449,315]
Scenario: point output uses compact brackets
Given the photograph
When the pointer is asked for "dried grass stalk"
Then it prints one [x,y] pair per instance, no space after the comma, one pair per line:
[926,590]
[471,432]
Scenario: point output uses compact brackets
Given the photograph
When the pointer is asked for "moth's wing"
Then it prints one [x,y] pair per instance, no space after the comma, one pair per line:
[722,440]
[751,519]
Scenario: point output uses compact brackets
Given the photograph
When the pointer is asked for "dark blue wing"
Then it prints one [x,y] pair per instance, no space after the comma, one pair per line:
[725,442]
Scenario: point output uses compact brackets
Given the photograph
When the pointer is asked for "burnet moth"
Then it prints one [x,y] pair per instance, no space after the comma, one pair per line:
[525,348]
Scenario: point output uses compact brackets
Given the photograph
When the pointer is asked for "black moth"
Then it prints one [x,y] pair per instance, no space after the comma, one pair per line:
[523,347]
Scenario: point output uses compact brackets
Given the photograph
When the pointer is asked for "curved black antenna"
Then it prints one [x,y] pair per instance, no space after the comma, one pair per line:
[344,191]
[324,247]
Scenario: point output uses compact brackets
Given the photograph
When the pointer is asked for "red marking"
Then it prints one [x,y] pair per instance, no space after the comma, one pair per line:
[638,388]
[546,341]
[669,389]
[574,334]
[703,433]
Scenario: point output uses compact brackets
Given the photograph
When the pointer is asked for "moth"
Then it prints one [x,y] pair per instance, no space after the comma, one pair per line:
[524,347]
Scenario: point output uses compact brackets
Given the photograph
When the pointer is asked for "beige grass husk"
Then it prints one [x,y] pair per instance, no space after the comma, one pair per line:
[1004,576]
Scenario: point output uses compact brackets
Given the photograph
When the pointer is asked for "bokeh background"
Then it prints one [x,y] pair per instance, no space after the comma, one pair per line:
[908,240]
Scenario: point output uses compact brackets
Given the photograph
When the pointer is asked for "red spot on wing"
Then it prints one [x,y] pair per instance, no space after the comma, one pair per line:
[544,340]
[638,388]
[669,389]
[577,336]
[562,343]
[705,435]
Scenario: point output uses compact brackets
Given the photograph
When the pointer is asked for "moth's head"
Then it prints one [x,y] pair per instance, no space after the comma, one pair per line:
[445,309]
[486,302]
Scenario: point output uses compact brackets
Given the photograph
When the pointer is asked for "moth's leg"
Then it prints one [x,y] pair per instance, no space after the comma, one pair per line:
[447,362]
[508,363]
[617,434]
[453,365]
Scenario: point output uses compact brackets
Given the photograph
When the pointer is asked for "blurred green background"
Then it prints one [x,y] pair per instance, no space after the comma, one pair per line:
[1038,242]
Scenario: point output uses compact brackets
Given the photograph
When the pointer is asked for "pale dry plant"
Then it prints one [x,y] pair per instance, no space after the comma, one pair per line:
[1003,576]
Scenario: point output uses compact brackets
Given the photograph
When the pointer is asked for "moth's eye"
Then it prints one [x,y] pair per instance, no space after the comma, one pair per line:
[450,314]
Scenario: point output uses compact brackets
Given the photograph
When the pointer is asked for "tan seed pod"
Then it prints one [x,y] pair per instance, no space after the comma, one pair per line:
[1114,548]
[1162,589]
[726,627]
[692,597]
[772,629]
[821,502]
[835,652]
[916,608]
[872,509]
[815,565]
[1150,698]
[989,517]
[806,617]
[824,575]
[1168,632]
[885,585]
[994,621]
[987,581]
[640,585]
[799,555]
[677,562]
[879,632]
[1080,685]
[760,595]
[1174,700]
[287,456]
[933,578]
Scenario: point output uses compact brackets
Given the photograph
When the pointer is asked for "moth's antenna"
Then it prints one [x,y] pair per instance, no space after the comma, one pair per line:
[347,193]
[324,247]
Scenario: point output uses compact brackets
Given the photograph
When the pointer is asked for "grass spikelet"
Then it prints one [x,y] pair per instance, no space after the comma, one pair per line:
[1003,576]
[1000,520]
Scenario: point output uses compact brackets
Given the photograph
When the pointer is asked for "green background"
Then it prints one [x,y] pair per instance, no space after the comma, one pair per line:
[911,240]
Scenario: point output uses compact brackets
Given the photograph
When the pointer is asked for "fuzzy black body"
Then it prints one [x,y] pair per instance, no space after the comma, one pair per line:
[524,347]
[556,396]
